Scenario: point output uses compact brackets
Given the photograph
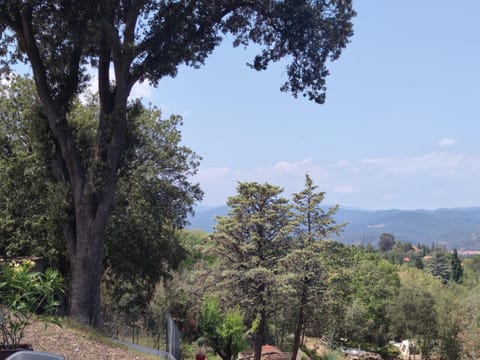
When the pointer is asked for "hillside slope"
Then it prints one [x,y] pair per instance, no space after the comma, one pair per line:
[452,228]
[77,344]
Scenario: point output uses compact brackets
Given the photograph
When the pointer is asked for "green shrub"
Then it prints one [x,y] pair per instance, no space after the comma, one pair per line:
[25,294]
[388,352]
[225,333]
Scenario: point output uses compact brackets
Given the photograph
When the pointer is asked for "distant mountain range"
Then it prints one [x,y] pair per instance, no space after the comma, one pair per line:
[453,228]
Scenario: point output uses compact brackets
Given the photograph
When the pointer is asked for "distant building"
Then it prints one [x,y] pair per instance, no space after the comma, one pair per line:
[467,253]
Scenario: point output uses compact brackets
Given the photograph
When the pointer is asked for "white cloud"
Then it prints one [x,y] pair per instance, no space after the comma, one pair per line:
[343,189]
[141,90]
[289,167]
[439,193]
[341,164]
[213,172]
[432,164]
[374,161]
[388,196]
[376,226]
[424,181]
[446,142]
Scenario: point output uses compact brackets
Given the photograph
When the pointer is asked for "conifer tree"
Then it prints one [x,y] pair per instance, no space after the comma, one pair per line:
[313,223]
[251,240]
[439,266]
[457,269]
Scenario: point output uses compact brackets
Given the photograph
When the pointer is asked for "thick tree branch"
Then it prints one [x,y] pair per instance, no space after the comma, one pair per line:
[56,120]
[72,77]
[105,94]
[131,21]
[23,28]
[112,38]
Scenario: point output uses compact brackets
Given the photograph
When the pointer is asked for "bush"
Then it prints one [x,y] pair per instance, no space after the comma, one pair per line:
[388,352]
[23,294]
[225,333]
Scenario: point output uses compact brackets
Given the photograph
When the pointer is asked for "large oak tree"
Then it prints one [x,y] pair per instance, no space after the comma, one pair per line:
[152,201]
[146,40]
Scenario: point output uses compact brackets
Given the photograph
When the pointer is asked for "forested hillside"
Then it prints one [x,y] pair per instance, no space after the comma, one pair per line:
[98,188]
[273,266]
[452,228]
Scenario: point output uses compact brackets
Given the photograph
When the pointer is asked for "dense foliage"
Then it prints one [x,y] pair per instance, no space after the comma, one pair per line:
[252,240]
[33,204]
[152,202]
[26,296]
[225,332]
[144,40]
[270,249]
[358,297]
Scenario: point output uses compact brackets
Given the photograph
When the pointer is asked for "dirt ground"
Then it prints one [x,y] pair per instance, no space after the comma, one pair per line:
[76,345]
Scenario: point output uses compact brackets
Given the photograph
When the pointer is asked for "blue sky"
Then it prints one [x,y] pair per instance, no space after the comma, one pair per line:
[399,129]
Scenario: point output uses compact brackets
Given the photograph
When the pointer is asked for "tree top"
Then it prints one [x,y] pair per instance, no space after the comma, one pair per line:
[148,40]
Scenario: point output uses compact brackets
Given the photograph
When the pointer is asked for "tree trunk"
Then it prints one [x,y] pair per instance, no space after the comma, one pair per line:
[298,334]
[86,268]
[228,349]
[260,336]
[300,321]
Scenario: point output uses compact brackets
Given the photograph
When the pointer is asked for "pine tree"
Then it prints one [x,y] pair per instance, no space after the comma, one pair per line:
[251,240]
[457,269]
[313,223]
[439,266]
